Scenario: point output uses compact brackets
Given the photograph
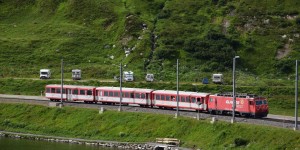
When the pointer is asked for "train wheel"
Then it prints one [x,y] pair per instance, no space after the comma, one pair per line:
[212,112]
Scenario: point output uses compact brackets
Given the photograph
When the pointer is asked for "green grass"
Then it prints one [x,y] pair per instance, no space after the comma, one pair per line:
[140,127]
[36,34]
[86,34]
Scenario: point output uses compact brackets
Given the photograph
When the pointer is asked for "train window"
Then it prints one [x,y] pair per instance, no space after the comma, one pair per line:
[52,90]
[162,97]
[183,99]
[75,92]
[258,102]
[167,98]
[173,98]
[157,97]
[111,93]
[202,100]
[82,92]
[211,99]
[143,95]
[187,99]
[58,91]
[126,94]
[265,102]
[193,100]
[98,93]
[251,102]
[64,90]
[89,92]
[131,95]
[105,93]
[48,90]
[137,95]
[116,94]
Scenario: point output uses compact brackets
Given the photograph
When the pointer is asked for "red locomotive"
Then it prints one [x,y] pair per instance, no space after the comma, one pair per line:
[246,104]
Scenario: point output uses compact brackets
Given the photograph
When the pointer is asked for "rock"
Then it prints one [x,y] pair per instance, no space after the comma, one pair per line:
[266,21]
[213,120]
[106,46]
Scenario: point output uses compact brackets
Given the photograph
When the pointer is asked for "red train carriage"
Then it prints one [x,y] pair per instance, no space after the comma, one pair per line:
[71,93]
[111,95]
[187,100]
[246,105]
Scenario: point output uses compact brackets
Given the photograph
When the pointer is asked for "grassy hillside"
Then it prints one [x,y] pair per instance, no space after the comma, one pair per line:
[93,35]
[139,127]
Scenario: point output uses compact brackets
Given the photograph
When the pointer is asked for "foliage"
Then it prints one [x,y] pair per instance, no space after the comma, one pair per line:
[93,34]
[215,49]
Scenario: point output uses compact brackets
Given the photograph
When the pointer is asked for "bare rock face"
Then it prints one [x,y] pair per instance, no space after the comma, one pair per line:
[281,53]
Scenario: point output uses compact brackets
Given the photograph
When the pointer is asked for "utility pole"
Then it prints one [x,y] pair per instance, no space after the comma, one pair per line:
[62,82]
[121,94]
[296,98]
[177,97]
[233,90]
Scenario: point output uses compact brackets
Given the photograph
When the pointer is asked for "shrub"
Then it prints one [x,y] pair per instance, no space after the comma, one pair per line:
[298,20]
[48,6]
[240,142]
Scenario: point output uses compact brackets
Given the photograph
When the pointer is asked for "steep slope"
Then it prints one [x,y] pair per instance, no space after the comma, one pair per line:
[148,36]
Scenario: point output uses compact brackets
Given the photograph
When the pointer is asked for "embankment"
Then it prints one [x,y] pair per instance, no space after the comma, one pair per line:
[139,127]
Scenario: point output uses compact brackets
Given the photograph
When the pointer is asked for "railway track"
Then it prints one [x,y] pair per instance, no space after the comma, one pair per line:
[271,120]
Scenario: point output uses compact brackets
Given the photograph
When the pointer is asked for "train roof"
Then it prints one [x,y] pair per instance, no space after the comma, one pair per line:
[180,92]
[240,95]
[124,89]
[71,86]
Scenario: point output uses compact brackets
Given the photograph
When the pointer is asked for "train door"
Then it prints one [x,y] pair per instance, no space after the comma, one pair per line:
[69,95]
[251,105]
[98,95]
[147,99]
[199,103]
[216,104]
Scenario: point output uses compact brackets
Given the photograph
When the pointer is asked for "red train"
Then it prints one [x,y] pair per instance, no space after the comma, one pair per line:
[246,104]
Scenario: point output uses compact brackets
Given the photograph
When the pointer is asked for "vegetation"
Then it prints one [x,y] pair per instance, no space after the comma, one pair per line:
[147,36]
[134,127]
[94,34]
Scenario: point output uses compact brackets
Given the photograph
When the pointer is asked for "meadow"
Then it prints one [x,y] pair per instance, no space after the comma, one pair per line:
[142,127]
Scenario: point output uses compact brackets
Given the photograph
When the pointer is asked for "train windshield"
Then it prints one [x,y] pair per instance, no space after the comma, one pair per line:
[261,102]
[258,102]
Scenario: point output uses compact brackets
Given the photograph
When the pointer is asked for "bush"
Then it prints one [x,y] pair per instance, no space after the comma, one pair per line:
[48,6]
[240,142]
[298,20]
